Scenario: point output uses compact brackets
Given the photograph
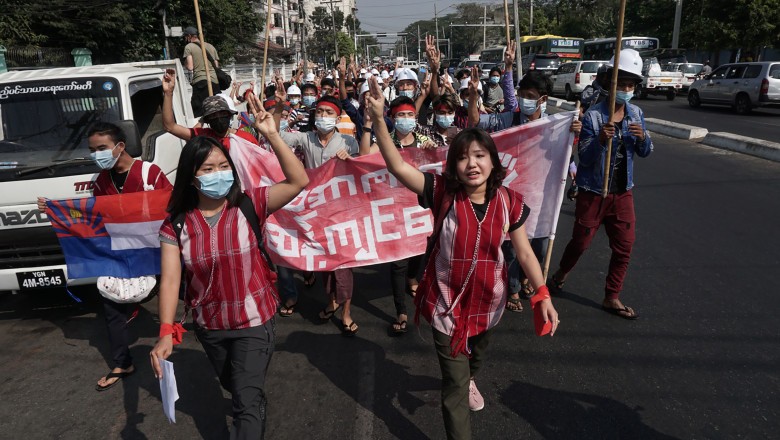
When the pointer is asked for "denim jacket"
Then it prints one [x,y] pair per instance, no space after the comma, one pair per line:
[590,171]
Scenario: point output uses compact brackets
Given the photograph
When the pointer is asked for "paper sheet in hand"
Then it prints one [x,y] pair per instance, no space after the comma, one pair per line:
[168,390]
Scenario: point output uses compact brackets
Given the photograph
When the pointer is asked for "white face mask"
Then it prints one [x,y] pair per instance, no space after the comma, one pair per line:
[325,125]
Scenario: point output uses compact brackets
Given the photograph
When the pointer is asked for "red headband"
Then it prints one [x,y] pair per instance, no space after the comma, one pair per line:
[331,105]
[402,108]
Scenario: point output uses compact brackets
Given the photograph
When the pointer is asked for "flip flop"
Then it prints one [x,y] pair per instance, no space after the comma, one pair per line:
[326,314]
[399,330]
[287,311]
[625,312]
[112,375]
[349,330]
[516,302]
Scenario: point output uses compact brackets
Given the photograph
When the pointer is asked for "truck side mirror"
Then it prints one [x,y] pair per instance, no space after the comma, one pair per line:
[133,142]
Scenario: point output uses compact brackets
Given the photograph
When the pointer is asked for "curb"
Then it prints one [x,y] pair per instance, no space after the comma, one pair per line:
[725,141]
[743,144]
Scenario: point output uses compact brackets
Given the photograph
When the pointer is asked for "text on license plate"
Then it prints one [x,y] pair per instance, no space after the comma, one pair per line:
[666,80]
[41,279]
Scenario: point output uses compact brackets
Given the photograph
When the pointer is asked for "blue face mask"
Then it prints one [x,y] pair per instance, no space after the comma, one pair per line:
[544,107]
[325,125]
[623,97]
[295,101]
[308,101]
[217,184]
[283,125]
[104,159]
[445,121]
[495,79]
[405,125]
[407,93]
[465,102]
[528,106]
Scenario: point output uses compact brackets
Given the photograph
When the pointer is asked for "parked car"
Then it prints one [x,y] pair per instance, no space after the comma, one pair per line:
[690,71]
[547,63]
[411,65]
[571,78]
[743,86]
[485,69]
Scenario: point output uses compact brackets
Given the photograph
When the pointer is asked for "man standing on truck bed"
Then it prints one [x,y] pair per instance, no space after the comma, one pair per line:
[194,62]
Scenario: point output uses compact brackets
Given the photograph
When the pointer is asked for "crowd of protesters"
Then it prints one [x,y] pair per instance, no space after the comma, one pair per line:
[479,263]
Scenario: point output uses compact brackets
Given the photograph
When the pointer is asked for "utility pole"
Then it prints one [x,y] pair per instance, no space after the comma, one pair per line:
[484,29]
[354,27]
[676,32]
[436,19]
[419,55]
[165,36]
[518,52]
[335,31]
[531,20]
[302,23]
[284,22]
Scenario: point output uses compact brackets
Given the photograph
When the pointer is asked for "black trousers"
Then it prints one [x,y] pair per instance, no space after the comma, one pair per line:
[118,336]
[241,358]
[399,271]
[200,91]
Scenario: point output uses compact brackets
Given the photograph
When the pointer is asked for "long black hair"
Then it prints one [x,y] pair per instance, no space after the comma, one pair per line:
[460,146]
[184,197]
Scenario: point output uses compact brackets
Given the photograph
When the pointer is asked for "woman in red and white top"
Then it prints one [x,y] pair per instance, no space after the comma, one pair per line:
[230,288]
[462,292]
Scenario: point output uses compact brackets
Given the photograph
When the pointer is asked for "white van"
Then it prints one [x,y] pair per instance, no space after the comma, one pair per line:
[571,78]
[44,116]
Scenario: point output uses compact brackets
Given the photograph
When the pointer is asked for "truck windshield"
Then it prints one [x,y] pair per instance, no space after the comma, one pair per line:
[44,123]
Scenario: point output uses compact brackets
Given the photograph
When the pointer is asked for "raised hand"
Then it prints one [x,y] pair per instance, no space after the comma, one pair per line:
[509,54]
[281,93]
[375,101]
[432,52]
[474,82]
[169,81]
[342,67]
[264,121]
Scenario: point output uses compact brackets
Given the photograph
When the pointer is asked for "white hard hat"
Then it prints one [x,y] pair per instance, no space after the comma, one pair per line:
[379,80]
[229,101]
[309,77]
[363,88]
[630,62]
[329,76]
[403,74]
[384,74]
[464,84]
[363,71]
[374,72]
[293,90]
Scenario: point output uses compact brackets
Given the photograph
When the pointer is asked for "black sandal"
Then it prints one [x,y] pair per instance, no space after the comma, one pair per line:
[287,311]
[111,375]
[309,279]
[349,330]
[527,290]
[398,328]
[326,314]
[554,285]
[516,305]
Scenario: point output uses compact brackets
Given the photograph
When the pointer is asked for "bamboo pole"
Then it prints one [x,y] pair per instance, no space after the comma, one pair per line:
[265,51]
[203,48]
[612,92]
[548,255]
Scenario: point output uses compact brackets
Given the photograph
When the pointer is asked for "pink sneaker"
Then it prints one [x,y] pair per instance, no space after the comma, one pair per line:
[476,402]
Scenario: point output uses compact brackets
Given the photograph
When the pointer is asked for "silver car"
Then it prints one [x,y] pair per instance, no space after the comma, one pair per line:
[743,86]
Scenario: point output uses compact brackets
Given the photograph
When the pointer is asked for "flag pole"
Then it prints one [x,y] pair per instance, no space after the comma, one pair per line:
[203,49]
[612,92]
[548,255]
[265,50]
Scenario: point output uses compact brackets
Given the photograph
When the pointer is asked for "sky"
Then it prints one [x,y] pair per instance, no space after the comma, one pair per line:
[395,15]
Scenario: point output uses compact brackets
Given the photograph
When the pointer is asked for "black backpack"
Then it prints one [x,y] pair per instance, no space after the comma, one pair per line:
[248,209]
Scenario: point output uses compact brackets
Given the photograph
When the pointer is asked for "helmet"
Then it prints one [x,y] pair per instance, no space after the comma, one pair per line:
[363,88]
[630,64]
[464,84]
[384,74]
[402,74]
[293,90]
[374,72]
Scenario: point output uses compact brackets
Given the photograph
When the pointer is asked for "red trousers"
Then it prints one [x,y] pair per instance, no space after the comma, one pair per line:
[616,213]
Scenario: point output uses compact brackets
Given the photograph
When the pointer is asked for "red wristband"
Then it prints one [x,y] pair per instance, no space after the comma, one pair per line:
[542,293]
[175,329]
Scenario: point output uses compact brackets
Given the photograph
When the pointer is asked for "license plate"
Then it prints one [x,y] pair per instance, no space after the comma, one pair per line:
[41,279]
[666,80]
[663,89]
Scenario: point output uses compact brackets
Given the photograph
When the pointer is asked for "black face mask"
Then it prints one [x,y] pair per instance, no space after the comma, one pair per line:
[220,124]
[350,95]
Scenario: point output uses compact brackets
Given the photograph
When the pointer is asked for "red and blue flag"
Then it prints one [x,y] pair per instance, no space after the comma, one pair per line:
[110,235]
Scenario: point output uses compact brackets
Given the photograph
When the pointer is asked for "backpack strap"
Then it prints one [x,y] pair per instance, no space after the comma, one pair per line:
[145,167]
[248,210]
[208,55]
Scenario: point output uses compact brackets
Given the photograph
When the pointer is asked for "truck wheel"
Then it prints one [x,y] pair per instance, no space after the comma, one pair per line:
[569,94]
[641,93]
[670,96]
[693,99]
[742,104]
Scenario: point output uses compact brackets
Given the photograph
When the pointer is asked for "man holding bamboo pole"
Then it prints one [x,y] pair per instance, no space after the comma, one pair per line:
[609,142]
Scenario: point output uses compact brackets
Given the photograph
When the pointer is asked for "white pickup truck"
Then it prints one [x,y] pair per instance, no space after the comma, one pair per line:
[44,116]
[658,82]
